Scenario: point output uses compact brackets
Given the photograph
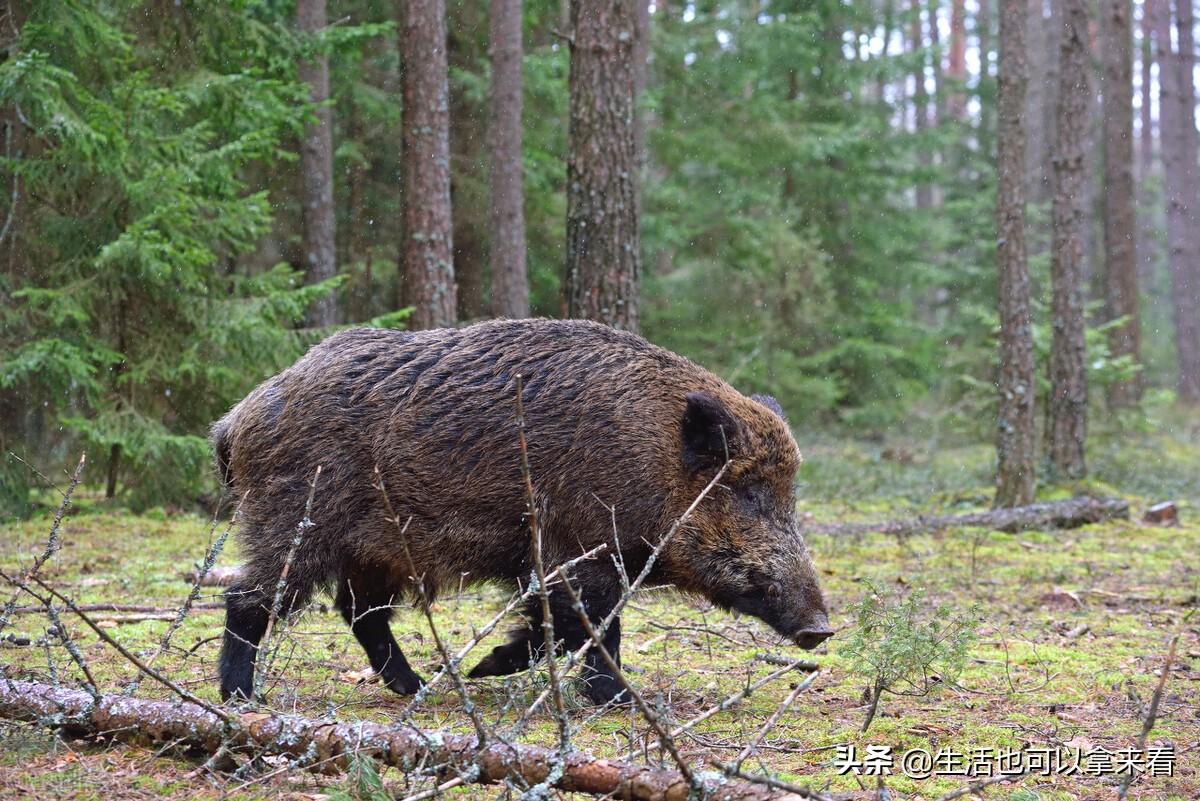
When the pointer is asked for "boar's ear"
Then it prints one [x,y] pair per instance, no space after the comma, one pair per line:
[710,432]
[770,403]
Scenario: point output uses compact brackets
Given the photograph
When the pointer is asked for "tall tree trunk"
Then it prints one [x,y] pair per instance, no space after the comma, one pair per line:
[641,55]
[316,164]
[1146,63]
[956,64]
[603,247]
[987,117]
[1066,422]
[1120,263]
[935,63]
[920,105]
[1037,150]
[1187,310]
[1178,143]
[1015,482]
[510,282]
[1145,164]
[428,226]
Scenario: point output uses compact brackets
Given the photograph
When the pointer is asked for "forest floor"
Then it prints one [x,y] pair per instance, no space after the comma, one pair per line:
[1072,635]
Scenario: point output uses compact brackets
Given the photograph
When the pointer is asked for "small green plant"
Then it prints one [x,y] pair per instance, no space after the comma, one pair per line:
[904,646]
[362,782]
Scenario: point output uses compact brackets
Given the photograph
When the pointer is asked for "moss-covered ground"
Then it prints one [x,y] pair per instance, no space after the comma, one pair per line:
[1072,634]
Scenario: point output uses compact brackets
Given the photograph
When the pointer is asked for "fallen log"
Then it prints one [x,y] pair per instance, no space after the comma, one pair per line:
[219,576]
[160,613]
[332,744]
[1071,513]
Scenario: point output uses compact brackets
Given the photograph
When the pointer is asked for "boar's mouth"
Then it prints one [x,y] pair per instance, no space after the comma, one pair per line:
[810,638]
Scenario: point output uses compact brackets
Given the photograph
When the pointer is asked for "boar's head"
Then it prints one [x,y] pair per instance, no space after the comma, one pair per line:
[743,548]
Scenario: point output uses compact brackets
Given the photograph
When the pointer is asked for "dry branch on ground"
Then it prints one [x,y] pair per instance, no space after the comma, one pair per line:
[1071,513]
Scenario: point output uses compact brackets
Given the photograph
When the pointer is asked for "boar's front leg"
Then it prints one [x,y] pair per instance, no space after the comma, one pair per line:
[599,591]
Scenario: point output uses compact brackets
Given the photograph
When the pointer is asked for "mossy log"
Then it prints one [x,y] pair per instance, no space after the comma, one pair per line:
[1071,513]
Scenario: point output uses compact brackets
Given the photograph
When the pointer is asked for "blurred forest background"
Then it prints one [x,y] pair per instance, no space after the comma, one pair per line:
[801,195]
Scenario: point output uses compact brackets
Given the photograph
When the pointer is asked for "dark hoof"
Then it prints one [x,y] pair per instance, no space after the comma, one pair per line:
[604,690]
[237,686]
[404,683]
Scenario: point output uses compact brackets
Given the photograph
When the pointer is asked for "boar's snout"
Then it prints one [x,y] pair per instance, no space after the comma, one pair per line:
[814,634]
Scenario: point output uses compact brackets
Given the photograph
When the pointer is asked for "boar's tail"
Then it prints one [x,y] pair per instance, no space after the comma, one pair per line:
[222,443]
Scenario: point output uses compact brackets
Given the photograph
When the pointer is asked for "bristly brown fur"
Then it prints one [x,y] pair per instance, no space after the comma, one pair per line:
[611,420]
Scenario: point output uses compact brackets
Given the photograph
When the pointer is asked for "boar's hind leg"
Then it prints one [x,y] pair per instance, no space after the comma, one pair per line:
[368,612]
[524,647]
[247,609]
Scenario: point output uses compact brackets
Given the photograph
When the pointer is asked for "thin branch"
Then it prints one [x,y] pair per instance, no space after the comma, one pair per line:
[139,664]
[52,543]
[549,641]
[280,587]
[1152,712]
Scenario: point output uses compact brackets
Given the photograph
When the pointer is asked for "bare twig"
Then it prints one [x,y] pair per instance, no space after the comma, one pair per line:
[1152,712]
[975,787]
[52,543]
[649,714]
[281,586]
[550,644]
[139,664]
[773,720]
[449,662]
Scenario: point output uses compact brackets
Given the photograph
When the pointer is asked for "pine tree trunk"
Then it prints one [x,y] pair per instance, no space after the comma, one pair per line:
[428,227]
[956,66]
[921,106]
[510,282]
[1178,143]
[641,53]
[987,117]
[1146,246]
[1037,139]
[603,247]
[1066,427]
[1015,427]
[316,165]
[1187,309]
[1120,262]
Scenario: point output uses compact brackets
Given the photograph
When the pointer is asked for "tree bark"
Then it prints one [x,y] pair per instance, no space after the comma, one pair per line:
[1146,246]
[924,194]
[1015,426]
[1040,61]
[428,226]
[641,55]
[1179,148]
[510,281]
[1120,262]
[401,746]
[603,260]
[1066,423]
[987,117]
[316,165]
[956,66]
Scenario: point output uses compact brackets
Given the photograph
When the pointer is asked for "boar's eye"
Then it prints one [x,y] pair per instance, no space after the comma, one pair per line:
[774,590]
[751,494]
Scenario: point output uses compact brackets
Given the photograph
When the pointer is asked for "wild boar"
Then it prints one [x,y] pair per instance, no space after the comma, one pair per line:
[611,421]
